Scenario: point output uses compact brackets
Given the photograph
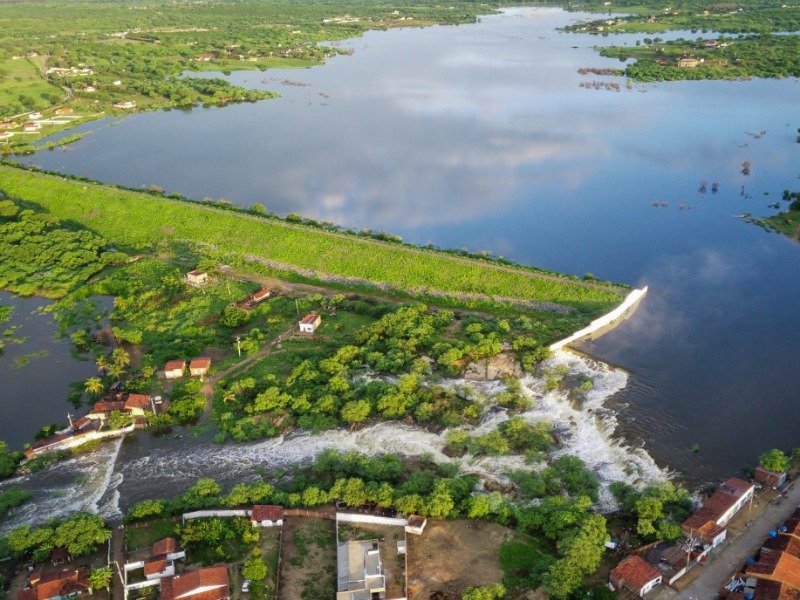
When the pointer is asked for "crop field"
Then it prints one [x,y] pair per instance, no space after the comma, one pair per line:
[136,220]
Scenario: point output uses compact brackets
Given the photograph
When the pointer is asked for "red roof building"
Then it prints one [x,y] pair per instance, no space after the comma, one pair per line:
[772,590]
[706,524]
[266,515]
[635,574]
[210,583]
[68,582]
[107,406]
[260,295]
[309,323]
[174,369]
[199,366]
[165,546]
[774,565]
[138,402]
[769,478]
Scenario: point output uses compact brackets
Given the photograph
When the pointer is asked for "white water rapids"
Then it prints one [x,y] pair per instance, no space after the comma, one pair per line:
[114,477]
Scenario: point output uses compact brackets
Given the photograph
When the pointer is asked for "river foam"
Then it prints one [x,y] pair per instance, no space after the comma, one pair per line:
[110,480]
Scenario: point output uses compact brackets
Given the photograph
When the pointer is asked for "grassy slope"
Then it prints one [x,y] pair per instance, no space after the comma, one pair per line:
[135,219]
[21,78]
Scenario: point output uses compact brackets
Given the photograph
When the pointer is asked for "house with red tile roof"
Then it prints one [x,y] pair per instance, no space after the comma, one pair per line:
[771,479]
[156,564]
[209,583]
[777,566]
[706,527]
[635,574]
[773,590]
[266,515]
[138,404]
[67,583]
[174,369]
[309,323]
[198,367]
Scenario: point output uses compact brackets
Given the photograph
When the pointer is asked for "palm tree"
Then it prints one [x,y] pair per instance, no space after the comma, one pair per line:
[116,371]
[120,357]
[94,386]
[102,364]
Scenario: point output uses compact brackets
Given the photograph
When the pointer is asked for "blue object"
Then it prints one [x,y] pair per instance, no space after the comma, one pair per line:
[750,560]
[773,533]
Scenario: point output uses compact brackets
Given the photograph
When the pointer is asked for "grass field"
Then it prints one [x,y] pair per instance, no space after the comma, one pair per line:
[23,88]
[134,220]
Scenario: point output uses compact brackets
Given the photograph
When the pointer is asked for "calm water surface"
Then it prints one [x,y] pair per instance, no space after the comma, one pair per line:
[35,374]
[480,137]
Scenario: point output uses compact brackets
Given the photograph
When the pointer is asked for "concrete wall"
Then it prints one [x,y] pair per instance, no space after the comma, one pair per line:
[602,324]
[75,441]
[200,514]
[375,520]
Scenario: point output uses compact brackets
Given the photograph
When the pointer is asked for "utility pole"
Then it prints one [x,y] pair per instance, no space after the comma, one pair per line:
[297,307]
[239,345]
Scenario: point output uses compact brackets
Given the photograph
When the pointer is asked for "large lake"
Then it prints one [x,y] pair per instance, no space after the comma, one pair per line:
[480,136]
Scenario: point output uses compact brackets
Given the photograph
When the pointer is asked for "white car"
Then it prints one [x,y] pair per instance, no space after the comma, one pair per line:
[246,585]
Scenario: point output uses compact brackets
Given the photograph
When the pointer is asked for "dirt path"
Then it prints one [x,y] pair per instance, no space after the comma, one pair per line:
[211,382]
[719,570]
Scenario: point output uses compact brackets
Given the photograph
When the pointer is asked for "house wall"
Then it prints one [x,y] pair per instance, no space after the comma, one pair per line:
[199,514]
[728,515]
[375,520]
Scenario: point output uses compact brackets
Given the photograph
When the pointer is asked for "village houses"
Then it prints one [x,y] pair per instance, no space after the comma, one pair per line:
[67,583]
[174,369]
[199,367]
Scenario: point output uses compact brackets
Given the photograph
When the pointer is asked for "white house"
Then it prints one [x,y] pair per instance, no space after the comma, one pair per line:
[309,323]
[266,515]
[174,369]
[197,277]
[635,574]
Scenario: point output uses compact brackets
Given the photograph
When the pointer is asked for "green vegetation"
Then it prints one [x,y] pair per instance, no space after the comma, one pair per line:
[8,460]
[485,592]
[211,541]
[750,49]
[41,256]
[11,498]
[114,52]
[657,510]
[152,220]
[100,578]
[788,221]
[79,534]
[775,460]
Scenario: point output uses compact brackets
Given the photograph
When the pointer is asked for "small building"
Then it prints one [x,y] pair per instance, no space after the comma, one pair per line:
[266,515]
[174,369]
[156,564]
[635,574]
[688,63]
[777,566]
[32,126]
[416,524]
[359,570]
[197,277]
[34,115]
[105,407]
[138,404]
[309,323]
[208,583]
[64,110]
[67,583]
[128,104]
[260,295]
[769,478]
[198,367]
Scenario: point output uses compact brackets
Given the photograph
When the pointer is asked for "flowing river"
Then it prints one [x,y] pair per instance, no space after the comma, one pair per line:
[482,136]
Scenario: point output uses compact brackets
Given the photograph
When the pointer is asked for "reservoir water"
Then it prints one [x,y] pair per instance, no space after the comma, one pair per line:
[481,136]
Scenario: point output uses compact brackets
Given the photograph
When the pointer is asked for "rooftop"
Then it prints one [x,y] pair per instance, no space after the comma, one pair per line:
[777,566]
[310,318]
[635,572]
[359,566]
[266,512]
[209,583]
[60,583]
[174,365]
[773,590]
[137,401]
[202,362]
[720,502]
